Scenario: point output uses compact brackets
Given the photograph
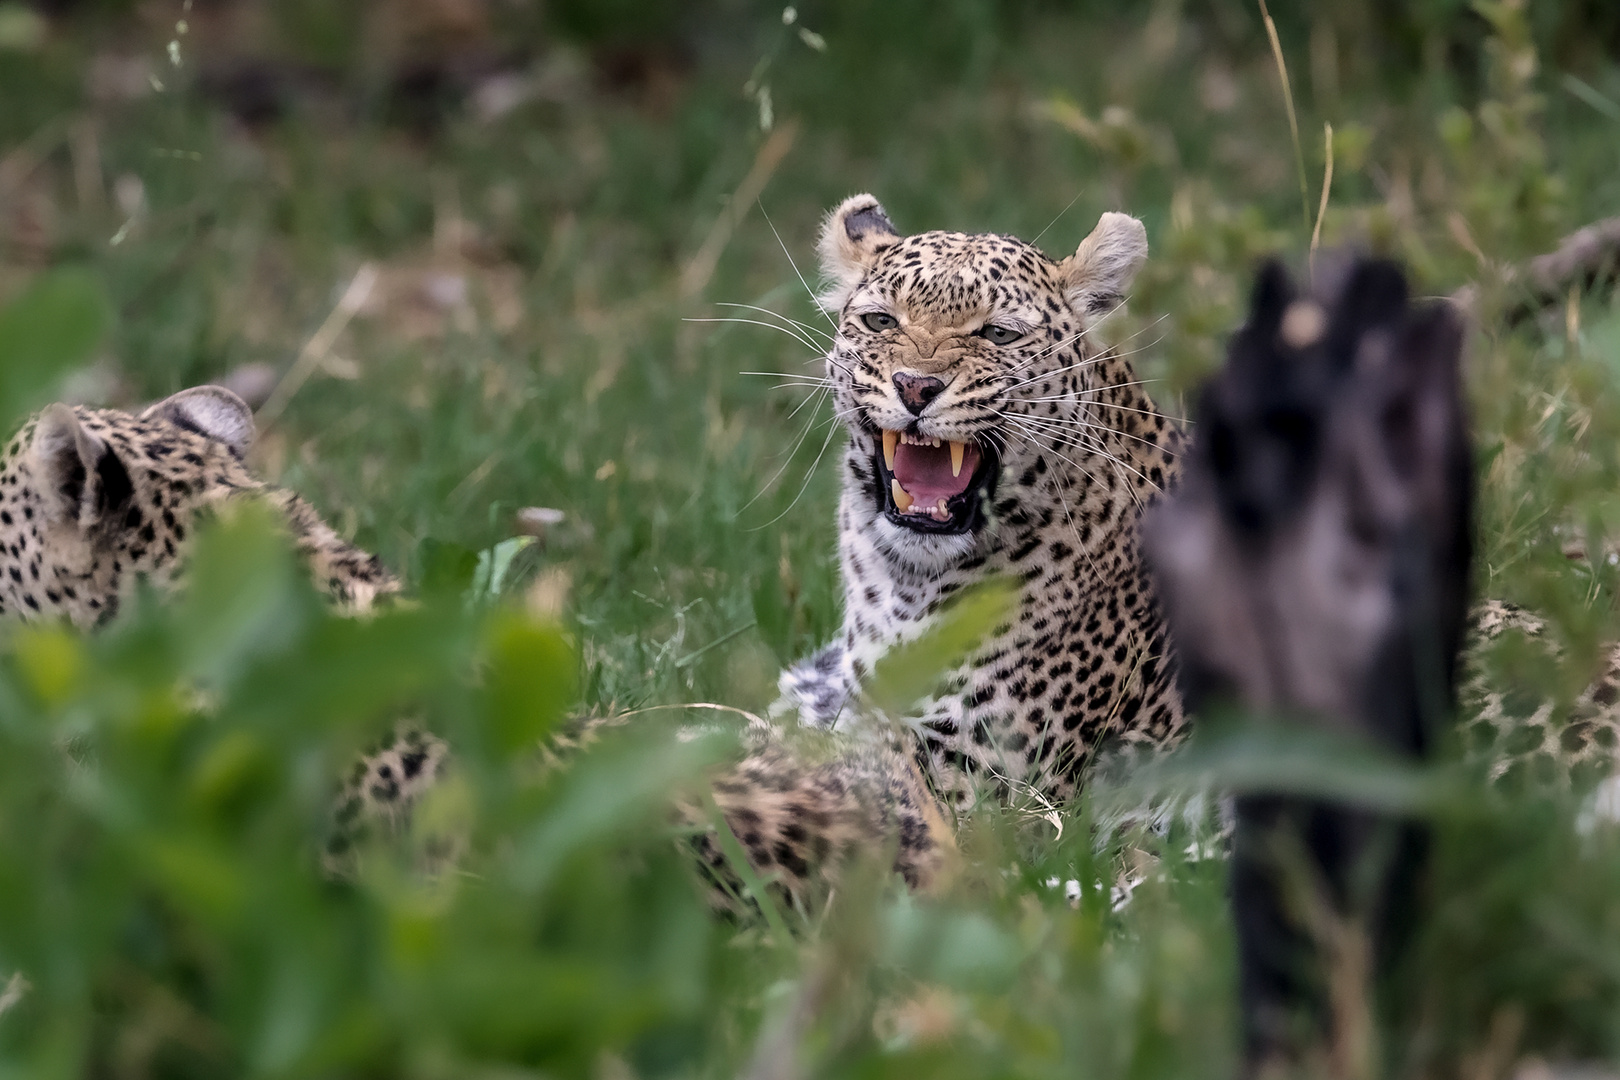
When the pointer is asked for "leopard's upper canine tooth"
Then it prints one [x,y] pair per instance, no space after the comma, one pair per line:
[958,450]
[889,439]
[902,500]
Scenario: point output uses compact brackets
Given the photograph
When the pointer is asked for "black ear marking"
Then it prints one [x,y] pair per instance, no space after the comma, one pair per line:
[64,452]
[853,236]
[1102,302]
[866,220]
[114,488]
[69,481]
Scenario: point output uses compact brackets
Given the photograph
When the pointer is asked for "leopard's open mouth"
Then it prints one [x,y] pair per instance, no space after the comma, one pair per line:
[932,485]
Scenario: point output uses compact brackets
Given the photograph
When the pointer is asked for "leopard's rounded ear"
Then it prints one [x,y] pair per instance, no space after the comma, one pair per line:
[1097,276]
[852,237]
[81,478]
[209,410]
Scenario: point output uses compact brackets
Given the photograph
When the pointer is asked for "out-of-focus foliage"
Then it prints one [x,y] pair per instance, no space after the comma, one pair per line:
[164,789]
[44,333]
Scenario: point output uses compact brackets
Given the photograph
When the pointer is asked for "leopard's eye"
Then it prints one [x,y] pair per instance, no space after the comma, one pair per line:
[879,321]
[1000,335]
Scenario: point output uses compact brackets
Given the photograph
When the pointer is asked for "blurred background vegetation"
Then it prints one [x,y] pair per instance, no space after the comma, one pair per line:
[489,231]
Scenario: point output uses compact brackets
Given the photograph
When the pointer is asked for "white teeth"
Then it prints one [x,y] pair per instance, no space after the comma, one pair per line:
[889,439]
[957,452]
[906,504]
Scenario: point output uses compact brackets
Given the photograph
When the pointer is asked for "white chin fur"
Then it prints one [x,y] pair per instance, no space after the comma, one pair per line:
[929,553]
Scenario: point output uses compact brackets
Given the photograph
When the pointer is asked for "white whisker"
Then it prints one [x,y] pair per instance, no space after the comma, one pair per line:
[1073,396]
[1050,444]
[1063,436]
[800,338]
[788,459]
[1059,371]
[836,364]
[1071,339]
[1054,373]
[1104,355]
[1059,217]
[1068,423]
[1075,529]
[1044,353]
[806,327]
[1117,386]
[816,397]
[1034,439]
[805,486]
[791,379]
[808,290]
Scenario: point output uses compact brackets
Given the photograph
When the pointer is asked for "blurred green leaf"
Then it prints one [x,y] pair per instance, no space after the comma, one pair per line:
[960,949]
[1243,757]
[51,659]
[494,564]
[246,599]
[531,682]
[911,670]
[619,787]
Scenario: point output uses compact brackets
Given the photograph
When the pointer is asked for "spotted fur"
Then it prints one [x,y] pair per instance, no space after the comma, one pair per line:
[799,821]
[1079,450]
[94,500]
[380,793]
[1535,739]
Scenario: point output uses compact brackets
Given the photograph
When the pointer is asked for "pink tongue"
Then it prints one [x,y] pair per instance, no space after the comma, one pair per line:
[925,471]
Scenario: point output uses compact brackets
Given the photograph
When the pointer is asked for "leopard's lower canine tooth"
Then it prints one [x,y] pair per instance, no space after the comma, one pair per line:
[889,439]
[957,451]
[902,501]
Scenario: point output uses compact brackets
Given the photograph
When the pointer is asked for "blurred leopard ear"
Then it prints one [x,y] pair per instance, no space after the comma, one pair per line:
[1097,275]
[851,240]
[209,410]
[81,479]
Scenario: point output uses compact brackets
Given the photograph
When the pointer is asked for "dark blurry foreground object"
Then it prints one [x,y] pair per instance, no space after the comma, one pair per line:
[1314,568]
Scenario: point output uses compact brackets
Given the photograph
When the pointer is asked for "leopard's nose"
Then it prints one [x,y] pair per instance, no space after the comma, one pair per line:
[916,391]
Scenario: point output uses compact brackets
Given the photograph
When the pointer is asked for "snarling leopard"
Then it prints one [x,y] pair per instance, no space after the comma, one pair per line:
[992,434]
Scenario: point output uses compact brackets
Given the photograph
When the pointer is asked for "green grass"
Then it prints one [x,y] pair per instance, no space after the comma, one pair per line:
[168,921]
